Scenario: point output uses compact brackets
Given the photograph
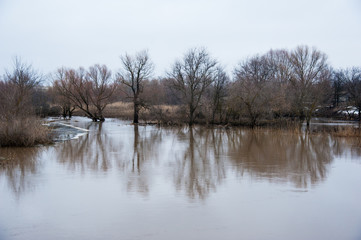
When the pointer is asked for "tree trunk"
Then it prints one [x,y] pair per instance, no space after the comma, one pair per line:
[213,116]
[136,110]
[64,112]
[100,114]
[191,116]
[308,120]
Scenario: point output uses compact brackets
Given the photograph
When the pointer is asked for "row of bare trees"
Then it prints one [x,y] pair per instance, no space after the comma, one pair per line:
[293,84]
[92,90]
[280,84]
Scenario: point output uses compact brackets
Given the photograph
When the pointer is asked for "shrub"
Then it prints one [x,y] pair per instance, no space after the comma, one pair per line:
[23,132]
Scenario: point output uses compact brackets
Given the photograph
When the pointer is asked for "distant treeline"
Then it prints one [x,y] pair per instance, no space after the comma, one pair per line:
[278,86]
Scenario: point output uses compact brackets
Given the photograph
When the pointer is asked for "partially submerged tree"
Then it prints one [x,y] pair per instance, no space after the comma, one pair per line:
[309,80]
[279,88]
[135,70]
[219,92]
[66,105]
[102,88]
[191,77]
[252,86]
[89,91]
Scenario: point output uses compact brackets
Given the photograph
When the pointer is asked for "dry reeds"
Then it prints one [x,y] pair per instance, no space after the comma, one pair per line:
[23,132]
[160,114]
[120,110]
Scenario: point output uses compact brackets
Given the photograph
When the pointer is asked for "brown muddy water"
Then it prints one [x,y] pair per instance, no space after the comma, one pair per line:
[119,181]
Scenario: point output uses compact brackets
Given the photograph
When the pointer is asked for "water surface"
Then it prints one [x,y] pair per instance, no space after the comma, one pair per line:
[120,181]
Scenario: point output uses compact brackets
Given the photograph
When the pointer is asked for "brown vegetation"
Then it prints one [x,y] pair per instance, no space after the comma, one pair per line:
[135,70]
[18,124]
[23,132]
[191,77]
[160,114]
[89,91]
[270,89]
[281,88]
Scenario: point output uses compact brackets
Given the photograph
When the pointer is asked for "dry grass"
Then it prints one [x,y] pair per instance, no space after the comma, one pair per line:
[163,114]
[23,132]
[119,110]
[160,114]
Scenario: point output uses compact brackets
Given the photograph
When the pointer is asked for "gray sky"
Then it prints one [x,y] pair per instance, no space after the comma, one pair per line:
[72,33]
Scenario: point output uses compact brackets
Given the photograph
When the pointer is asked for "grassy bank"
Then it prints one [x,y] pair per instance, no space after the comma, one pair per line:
[23,132]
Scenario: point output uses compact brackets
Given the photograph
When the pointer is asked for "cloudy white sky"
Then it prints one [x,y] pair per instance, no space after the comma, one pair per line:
[54,33]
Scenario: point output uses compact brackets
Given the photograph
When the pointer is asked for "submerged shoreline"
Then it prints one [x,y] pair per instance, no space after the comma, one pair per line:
[60,129]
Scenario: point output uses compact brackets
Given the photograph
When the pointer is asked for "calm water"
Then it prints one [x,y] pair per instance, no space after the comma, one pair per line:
[119,181]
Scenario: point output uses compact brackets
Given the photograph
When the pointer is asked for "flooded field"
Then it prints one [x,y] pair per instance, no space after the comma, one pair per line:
[119,181]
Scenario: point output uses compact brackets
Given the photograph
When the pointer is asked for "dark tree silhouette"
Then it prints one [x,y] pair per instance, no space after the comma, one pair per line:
[135,69]
[191,77]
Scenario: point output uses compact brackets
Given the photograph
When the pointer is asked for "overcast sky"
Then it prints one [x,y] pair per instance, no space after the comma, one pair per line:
[72,33]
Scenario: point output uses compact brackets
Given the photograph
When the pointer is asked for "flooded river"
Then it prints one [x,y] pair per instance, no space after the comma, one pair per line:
[119,181]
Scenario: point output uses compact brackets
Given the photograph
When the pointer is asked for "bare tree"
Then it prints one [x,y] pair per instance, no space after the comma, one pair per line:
[135,69]
[18,124]
[278,89]
[18,86]
[252,80]
[61,103]
[191,77]
[102,88]
[352,77]
[309,77]
[66,106]
[219,93]
[89,91]
[338,85]
[71,85]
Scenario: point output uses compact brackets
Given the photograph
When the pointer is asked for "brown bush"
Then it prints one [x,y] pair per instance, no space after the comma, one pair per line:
[23,132]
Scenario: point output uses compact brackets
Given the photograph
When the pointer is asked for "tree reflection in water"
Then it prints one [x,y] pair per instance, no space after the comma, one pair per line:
[281,156]
[103,148]
[90,151]
[199,167]
[19,166]
[197,159]
[276,156]
[136,164]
